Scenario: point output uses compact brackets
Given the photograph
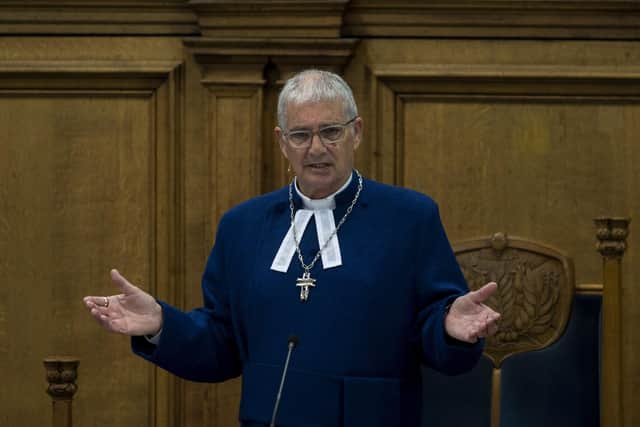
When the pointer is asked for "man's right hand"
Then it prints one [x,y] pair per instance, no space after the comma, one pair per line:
[132,312]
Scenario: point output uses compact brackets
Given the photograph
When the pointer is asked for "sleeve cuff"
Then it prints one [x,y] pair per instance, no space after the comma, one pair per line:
[154,339]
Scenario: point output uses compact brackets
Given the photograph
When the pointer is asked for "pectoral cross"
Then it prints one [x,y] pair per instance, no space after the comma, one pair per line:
[303,283]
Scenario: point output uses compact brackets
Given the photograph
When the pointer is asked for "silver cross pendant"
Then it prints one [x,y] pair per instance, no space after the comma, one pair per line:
[304,283]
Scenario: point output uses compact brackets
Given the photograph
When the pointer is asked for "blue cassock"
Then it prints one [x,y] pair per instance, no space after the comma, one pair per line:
[363,333]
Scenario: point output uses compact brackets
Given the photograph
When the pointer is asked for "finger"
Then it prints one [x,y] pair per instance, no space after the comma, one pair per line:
[102,318]
[495,317]
[493,329]
[97,301]
[122,283]
[483,329]
[492,323]
[482,294]
[478,330]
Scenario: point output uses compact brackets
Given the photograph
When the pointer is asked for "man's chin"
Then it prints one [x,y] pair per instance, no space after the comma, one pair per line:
[318,184]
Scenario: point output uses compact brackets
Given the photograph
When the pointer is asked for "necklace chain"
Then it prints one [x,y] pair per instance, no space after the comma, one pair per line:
[307,268]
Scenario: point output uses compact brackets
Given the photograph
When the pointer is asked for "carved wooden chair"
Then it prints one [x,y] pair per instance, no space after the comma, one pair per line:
[556,359]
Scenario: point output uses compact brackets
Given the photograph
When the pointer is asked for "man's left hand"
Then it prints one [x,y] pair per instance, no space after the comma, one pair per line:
[469,318]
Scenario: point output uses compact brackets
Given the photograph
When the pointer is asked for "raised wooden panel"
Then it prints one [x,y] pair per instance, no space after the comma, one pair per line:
[234,115]
[87,183]
[233,174]
[561,145]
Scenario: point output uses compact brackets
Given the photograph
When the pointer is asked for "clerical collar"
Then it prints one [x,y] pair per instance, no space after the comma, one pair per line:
[322,210]
[328,202]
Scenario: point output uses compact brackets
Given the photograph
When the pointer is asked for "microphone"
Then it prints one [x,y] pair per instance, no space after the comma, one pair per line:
[292,342]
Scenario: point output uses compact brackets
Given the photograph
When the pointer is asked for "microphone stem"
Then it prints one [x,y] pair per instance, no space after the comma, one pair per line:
[284,374]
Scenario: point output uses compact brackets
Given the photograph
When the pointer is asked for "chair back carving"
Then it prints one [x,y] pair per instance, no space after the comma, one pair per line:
[535,290]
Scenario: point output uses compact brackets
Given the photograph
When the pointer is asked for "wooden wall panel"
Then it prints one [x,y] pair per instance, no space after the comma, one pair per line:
[225,169]
[86,171]
[234,115]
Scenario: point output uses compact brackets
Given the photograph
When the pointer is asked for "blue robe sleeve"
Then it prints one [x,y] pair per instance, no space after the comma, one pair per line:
[199,345]
[440,282]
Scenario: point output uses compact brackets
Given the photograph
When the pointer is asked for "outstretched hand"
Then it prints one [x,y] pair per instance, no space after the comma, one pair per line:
[469,318]
[132,312]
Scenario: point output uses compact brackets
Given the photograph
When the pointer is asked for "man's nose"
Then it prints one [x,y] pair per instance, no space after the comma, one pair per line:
[316,146]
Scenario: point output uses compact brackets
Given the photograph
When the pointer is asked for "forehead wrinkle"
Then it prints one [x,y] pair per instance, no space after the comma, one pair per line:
[321,114]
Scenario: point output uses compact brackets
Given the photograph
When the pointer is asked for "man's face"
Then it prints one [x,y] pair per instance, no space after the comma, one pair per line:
[321,169]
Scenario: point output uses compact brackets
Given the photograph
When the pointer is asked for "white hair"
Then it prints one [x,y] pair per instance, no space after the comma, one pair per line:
[315,86]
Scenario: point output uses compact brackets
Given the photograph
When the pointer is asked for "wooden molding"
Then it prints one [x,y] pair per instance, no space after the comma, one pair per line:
[326,18]
[89,17]
[239,55]
[589,288]
[392,85]
[265,18]
[493,18]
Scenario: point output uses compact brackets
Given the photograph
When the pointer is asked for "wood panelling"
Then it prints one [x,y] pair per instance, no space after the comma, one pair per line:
[89,17]
[493,18]
[234,115]
[87,172]
[269,18]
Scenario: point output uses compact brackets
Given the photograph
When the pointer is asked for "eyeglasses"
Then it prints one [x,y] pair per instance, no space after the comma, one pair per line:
[329,135]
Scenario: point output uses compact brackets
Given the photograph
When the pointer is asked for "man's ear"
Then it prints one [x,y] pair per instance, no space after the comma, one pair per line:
[357,132]
[280,137]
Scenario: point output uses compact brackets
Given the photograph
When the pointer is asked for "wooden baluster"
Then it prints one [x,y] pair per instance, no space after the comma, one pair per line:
[61,375]
[611,234]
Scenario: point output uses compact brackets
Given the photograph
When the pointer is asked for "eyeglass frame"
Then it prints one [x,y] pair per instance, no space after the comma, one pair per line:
[313,133]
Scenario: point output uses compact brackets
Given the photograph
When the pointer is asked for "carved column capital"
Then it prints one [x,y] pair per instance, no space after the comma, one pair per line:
[612,236]
[62,373]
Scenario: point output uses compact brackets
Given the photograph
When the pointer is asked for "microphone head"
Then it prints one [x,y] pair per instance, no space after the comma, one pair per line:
[293,340]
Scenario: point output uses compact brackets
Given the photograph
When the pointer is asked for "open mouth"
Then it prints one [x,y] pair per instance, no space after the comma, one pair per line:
[318,165]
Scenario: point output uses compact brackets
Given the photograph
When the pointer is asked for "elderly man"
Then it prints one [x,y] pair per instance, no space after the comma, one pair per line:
[358,276]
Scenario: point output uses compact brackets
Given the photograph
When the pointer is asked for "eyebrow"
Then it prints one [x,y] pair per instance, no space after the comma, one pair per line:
[320,126]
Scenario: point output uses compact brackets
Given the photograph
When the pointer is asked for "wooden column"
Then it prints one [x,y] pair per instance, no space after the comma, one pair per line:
[62,373]
[612,234]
